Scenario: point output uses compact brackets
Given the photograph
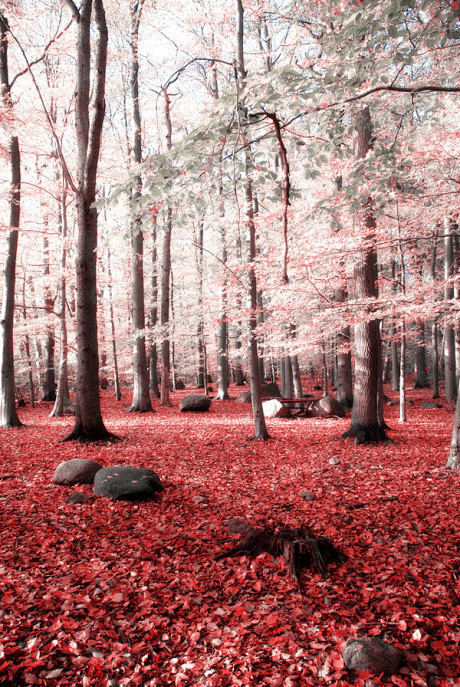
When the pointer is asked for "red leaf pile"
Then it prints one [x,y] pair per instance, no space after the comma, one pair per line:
[118,593]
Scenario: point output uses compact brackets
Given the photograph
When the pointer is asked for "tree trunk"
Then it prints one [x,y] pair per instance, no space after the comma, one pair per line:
[260,429]
[8,414]
[141,397]
[434,326]
[116,378]
[62,401]
[344,381]
[49,377]
[453,461]
[154,390]
[420,378]
[365,425]
[88,417]
[449,332]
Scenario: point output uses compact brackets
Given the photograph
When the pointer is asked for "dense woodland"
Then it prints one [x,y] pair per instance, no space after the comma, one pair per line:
[212,197]
[263,193]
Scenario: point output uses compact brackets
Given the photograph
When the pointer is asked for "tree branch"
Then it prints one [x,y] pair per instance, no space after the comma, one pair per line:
[73,8]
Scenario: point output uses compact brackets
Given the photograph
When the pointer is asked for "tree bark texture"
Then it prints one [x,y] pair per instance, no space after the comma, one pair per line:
[365,425]
[89,425]
[141,396]
[8,414]
[449,332]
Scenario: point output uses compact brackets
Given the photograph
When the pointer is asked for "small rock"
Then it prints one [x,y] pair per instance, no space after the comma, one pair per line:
[238,526]
[371,654]
[76,471]
[199,499]
[334,461]
[78,497]
[308,496]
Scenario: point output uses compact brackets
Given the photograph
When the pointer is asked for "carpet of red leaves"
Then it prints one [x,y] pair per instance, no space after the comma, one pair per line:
[118,593]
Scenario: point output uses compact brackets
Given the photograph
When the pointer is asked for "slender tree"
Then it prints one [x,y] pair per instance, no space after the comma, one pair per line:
[8,414]
[166,279]
[260,428]
[141,396]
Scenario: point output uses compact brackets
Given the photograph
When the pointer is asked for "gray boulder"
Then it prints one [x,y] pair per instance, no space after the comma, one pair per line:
[328,406]
[76,471]
[195,403]
[274,408]
[127,483]
[371,654]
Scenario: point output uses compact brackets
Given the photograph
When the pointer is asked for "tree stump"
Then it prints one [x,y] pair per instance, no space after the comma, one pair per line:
[299,547]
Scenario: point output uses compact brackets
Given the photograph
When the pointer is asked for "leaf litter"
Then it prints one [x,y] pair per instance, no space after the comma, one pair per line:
[125,593]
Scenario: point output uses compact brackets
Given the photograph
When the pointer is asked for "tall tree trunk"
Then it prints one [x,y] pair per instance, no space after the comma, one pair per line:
[449,332]
[8,414]
[434,326]
[201,381]
[365,425]
[420,378]
[154,390]
[49,377]
[260,429]
[141,396]
[453,461]
[89,425]
[116,377]
[62,401]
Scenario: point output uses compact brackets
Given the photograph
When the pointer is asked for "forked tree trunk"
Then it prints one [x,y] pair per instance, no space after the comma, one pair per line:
[8,415]
[365,424]
[141,397]
[88,417]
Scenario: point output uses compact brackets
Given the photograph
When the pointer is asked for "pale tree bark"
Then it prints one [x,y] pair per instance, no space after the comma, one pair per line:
[89,117]
[153,353]
[116,377]
[49,377]
[8,415]
[62,401]
[420,378]
[365,423]
[30,375]
[453,461]
[165,281]
[201,381]
[434,326]
[141,396]
[449,332]
[260,429]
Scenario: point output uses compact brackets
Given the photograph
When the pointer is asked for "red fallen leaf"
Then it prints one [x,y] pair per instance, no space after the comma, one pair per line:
[117,597]
[272,619]
[257,586]
[402,625]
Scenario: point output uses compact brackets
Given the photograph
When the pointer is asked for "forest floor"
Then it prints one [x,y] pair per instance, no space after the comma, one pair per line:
[121,593]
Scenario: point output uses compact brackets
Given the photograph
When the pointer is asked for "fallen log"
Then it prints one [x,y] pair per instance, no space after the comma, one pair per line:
[299,548]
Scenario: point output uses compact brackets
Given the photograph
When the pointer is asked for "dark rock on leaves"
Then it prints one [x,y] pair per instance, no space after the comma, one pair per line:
[123,482]
[78,497]
[371,654]
[76,471]
[328,406]
[194,402]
